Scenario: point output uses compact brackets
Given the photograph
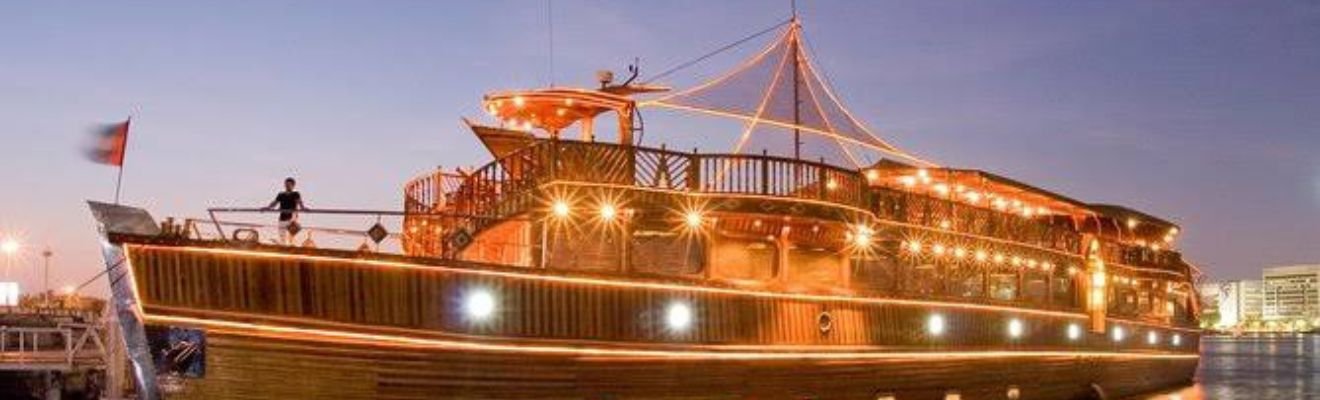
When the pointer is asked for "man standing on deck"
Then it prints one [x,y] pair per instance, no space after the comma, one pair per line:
[289,202]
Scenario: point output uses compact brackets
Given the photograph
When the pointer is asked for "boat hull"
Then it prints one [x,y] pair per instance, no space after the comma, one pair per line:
[252,365]
[302,323]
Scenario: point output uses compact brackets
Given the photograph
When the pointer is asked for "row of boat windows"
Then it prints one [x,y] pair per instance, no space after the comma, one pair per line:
[923,210]
[884,272]
[1037,231]
[1144,298]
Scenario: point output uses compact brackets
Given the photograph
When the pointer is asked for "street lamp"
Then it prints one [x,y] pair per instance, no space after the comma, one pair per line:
[9,246]
[45,272]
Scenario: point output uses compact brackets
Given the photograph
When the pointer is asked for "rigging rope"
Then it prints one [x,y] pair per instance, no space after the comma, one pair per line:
[828,86]
[716,52]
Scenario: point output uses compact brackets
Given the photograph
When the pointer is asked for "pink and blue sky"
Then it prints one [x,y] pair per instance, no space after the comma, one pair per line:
[1204,112]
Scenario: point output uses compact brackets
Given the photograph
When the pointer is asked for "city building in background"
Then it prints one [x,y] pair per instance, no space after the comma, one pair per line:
[1238,302]
[9,293]
[1292,294]
[1286,298]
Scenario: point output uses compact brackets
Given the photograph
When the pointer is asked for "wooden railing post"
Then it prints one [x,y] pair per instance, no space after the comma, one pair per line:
[694,171]
[554,158]
[822,183]
[863,196]
[765,172]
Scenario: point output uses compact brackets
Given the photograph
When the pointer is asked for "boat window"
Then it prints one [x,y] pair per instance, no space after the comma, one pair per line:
[1152,297]
[668,253]
[966,281]
[817,267]
[1065,288]
[738,258]
[1178,303]
[1003,285]
[926,280]
[1035,286]
[1122,300]
[585,249]
[875,273]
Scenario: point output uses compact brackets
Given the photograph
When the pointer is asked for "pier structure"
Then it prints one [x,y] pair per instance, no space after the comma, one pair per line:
[54,353]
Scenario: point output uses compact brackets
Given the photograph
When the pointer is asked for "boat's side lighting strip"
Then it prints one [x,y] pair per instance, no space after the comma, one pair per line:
[1125,321]
[615,283]
[284,332]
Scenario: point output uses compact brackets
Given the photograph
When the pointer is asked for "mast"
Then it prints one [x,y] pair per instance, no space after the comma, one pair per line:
[797,80]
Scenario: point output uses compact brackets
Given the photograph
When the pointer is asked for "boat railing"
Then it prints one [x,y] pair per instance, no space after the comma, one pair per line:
[1143,256]
[64,313]
[375,231]
[311,228]
[487,190]
[53,347]
[766,175]
[507,186]
[432,191]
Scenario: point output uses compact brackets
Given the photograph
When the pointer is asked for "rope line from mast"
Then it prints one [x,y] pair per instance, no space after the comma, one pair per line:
[715,52]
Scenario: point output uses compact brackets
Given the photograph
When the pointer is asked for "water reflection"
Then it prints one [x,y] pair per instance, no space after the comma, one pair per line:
[1258,368]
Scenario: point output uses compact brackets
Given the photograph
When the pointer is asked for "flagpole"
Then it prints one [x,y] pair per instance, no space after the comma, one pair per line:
[123,157]
[119,180]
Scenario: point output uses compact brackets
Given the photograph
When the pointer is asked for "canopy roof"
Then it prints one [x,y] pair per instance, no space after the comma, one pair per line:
[552,109]
[976,187]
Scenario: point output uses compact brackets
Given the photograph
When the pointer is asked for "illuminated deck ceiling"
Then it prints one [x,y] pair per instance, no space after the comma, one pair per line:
[552,109]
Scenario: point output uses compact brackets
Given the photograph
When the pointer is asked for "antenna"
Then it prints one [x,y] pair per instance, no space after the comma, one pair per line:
[550,25]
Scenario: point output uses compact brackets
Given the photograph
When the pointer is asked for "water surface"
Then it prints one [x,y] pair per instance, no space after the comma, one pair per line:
[1257,368]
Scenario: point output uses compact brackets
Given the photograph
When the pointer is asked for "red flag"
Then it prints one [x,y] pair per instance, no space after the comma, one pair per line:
[111,144]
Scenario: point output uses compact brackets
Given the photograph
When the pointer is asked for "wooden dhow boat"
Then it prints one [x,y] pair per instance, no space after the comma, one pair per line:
[577,267]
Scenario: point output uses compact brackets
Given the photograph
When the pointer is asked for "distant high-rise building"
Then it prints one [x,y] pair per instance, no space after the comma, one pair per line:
[9,293]
[1237,301]
[1251,300]
[1292,293]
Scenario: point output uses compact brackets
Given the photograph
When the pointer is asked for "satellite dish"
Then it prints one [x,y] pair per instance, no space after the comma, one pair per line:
[605,77]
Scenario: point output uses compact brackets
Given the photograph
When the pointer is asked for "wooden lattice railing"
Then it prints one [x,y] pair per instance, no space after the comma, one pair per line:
[504,187]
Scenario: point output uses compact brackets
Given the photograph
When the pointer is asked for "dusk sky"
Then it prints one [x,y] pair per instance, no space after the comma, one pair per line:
[1206,113]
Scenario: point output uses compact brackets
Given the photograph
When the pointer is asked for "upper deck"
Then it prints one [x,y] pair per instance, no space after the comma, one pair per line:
[795,225]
